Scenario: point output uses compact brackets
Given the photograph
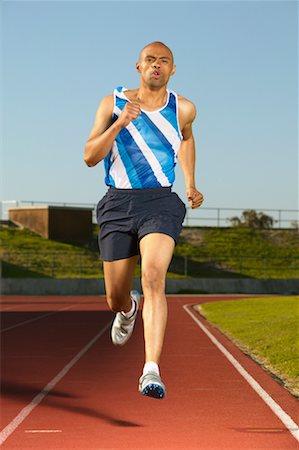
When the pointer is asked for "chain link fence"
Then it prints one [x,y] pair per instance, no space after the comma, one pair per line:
[88,265]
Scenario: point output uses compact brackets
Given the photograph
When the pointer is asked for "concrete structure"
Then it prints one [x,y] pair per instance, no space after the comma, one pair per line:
[95,286]
[55,222]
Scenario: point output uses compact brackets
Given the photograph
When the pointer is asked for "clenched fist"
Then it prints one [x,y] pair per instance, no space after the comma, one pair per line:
[130,112]
[195,198]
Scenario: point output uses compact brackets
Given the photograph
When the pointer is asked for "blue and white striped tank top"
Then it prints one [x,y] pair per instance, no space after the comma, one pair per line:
[144,154]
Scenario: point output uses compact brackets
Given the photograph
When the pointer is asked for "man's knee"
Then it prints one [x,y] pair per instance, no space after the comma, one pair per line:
[153,278]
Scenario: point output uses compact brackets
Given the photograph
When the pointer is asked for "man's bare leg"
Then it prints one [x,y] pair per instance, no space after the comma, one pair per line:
[118,279]
[118,282]
[156,252]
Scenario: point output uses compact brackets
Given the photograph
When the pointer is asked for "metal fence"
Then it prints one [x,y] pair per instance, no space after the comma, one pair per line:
[234,267]
[203,217]
[88,265]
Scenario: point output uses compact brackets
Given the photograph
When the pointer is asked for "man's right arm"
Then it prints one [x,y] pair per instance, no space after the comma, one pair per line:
[105,130]
[103,133]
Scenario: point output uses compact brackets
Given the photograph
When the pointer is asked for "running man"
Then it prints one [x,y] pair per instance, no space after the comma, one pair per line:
[140,134]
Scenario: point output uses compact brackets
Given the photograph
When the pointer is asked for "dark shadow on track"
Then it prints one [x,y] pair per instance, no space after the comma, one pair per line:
[26,392]
[104,416]
[19,391]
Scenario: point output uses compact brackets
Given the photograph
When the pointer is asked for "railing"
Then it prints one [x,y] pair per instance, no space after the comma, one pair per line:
[203,217]
[220,217]
[87,264]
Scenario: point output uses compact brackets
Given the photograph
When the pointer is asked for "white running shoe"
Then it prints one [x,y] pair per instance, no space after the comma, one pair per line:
[122,328]
[151,385]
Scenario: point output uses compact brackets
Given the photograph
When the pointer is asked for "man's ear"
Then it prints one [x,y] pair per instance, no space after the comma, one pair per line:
[138,67]
[173,70]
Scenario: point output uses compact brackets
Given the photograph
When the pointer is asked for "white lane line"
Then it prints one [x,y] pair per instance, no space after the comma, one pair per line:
[43,431]
[278,411]
[10,308]
[13,425]
[19,324]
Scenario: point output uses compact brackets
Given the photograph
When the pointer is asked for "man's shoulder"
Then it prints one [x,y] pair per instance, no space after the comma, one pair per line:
[106,105]
[185,102]
[186,107]
[107,98]
[107,101]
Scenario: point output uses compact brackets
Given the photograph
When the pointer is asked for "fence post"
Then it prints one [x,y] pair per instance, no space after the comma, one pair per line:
[53,265]
[279,218]
[218,217]
[265,265]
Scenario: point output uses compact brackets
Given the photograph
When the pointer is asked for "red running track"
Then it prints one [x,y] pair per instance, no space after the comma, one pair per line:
[65,386]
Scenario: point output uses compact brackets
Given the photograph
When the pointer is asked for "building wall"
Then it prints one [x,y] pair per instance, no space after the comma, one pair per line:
[35,219]
[56,222]
[66,224]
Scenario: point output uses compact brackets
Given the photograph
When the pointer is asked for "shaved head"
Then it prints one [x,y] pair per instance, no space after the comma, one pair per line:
[156,44]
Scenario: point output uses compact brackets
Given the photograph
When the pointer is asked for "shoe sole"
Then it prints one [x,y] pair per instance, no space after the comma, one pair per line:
[153,390]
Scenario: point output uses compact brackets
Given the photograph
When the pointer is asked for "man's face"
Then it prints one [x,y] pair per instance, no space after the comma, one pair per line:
[155,65]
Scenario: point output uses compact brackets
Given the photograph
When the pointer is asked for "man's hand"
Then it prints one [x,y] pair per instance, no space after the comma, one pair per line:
[195,198]
[130,112]
[105,130]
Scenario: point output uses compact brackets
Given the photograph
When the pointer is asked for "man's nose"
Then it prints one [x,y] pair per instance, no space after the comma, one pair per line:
[156,64]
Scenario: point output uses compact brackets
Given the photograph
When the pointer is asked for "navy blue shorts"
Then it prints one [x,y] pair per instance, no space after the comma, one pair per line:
[125,216]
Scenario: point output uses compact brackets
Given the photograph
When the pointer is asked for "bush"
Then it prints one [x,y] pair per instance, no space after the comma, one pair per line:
[251,219]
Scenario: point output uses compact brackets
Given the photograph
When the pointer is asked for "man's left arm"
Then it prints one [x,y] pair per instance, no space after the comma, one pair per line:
[186,155]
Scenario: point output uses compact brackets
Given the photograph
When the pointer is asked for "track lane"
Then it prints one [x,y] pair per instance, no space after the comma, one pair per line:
[269,401]
[208,405]
[34,353]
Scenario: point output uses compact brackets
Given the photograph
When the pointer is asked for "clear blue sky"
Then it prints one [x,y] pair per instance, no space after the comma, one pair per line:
[236,60]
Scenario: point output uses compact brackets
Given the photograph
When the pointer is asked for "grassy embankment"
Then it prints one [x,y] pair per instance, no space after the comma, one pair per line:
[266,329]
[242,251]
[24,253]
[200,253]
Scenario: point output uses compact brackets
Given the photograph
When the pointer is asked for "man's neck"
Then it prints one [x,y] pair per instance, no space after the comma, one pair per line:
[151,97]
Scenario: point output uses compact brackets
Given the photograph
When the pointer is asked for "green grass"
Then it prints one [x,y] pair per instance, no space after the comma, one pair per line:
[266,329]
[25,253]
[243,252]
[9,270]
[205,253]
[28,255]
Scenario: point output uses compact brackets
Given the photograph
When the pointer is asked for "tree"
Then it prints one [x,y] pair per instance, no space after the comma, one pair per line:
[250,218]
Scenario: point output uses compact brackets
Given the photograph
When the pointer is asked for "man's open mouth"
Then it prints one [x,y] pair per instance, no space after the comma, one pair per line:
[156,74]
